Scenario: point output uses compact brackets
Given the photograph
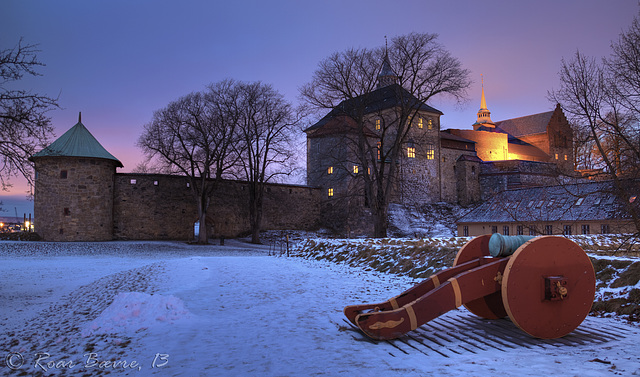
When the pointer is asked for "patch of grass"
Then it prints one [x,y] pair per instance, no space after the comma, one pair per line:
[605,274]
[629,277]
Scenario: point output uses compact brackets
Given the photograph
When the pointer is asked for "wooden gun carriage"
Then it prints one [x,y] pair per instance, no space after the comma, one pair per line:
[545,285]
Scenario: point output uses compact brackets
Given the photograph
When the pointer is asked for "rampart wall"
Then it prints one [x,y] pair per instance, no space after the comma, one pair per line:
[155,206]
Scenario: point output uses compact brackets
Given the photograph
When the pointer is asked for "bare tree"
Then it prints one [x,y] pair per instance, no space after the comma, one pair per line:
[346,82]
[265,146]
[24,124]
[194,136]
[602,99]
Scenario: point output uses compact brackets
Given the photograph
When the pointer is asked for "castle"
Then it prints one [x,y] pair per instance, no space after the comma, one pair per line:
[79,196]
[452,165]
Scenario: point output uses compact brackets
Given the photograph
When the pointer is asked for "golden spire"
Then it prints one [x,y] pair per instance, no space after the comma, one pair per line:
[483,101]
[484,115]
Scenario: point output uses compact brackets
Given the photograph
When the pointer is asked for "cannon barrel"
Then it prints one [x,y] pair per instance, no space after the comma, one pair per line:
[503,246]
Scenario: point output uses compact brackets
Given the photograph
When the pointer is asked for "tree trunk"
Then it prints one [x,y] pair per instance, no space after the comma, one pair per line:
[380,225]
[255,212]
[255,230]
[203,235]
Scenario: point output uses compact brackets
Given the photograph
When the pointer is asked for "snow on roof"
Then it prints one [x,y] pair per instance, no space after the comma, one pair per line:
[572,202]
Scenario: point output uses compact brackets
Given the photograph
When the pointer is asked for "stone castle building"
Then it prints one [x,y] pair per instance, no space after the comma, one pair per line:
[453,165]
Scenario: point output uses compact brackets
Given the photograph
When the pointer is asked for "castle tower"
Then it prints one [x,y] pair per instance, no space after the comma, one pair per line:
[74,182]
[386,76]
[484,115]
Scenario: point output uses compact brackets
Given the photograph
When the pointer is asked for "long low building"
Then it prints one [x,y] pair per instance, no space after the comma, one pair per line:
[580,208]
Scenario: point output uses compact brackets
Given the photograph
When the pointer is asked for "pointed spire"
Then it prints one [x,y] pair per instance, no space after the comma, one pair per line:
[484,115]
[80,117]
[483,101]
[386,76]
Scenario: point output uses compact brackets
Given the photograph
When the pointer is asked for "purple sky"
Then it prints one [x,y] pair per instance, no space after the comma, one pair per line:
[118,61]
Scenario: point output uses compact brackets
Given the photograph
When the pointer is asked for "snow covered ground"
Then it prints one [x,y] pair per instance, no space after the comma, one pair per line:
[168,309]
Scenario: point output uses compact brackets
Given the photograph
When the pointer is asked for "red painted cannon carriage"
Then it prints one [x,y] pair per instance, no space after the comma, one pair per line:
[546,285]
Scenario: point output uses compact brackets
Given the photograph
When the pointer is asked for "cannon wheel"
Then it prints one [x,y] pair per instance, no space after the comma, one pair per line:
[523,287]
[491,306]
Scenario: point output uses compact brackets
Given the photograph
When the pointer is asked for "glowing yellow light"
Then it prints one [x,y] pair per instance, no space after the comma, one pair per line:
[411,152]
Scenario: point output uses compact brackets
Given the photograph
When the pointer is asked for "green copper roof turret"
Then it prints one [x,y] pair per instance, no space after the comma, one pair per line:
[77,142]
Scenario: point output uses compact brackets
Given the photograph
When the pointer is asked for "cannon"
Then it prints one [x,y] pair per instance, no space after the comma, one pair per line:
[545,285]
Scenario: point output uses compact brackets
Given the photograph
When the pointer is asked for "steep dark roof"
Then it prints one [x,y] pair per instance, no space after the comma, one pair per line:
[528,150]
[573,202]
[466,157]
[380,99]
[449,136]
[76,142]
[526,125]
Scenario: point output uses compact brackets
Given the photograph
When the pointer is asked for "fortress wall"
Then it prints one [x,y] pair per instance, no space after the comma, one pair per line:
[160,206]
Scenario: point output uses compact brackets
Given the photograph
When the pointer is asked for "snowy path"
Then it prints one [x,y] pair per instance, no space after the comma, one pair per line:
[268,316]
[226,314]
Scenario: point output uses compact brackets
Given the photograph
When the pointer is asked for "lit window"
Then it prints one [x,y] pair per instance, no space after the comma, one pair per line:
[420,123]
[355,169]
[155,183]
[330,192]
[133,181]
[377,124]
[565,157]
[556,156]
[379,145]
[409,118]
[330,170]
[411,152]
[430,124]
[431,152]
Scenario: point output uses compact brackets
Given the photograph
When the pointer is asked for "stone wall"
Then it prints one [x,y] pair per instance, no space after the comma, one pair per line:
[467,183]
[73,198]
[153,206]
[490,146]
[496,176]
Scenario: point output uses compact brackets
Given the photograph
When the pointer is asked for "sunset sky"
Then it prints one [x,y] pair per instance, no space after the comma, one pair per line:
[118,61]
